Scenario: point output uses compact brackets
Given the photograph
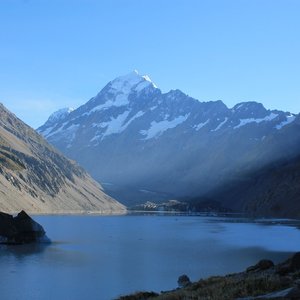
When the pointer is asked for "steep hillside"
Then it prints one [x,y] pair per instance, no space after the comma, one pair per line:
[271,191]
[37,178]
[147,145]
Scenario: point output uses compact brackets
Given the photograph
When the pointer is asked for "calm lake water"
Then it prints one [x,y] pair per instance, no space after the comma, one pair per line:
[94,257]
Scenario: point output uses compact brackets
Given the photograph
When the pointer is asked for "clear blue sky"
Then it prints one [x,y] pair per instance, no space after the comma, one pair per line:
[57,53]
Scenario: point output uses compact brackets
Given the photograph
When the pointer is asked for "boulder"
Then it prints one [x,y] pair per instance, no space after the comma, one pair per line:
[183,281]
[21,229]
[6,226]
[262,265]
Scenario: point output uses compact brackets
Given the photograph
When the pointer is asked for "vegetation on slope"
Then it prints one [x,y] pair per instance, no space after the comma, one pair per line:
[261,279]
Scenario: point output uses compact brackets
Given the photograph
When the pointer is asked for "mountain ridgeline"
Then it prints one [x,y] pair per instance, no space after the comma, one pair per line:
[143,144]
[37,178]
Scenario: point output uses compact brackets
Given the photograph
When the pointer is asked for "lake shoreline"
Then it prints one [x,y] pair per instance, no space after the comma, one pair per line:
[159,213]
[128,253]
[73,213]
[265,280]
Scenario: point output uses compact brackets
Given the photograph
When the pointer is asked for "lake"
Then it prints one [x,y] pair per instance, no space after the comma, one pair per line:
[102,257]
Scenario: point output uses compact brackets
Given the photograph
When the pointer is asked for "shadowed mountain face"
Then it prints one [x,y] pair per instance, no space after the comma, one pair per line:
[274,190]
[37,178]
[147,145]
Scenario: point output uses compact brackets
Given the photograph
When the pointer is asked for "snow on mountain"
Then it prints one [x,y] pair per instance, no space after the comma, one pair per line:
[199,126]
[157,128]
[221,124]
[244,122]
[54,119]
[60,114]
[120,88]
[138,138]
[289,119]
[132,81]
[114,125]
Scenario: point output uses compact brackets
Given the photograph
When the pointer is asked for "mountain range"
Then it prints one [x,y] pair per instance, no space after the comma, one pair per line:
[143,144]
[35,177]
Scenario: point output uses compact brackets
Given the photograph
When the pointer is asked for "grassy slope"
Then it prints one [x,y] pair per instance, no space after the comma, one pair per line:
[246,284]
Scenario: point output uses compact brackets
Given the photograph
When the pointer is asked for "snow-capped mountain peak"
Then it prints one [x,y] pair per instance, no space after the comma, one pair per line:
[133,103]
[59,114]
[54,119]
[131,82]
[147,78]
[120,91]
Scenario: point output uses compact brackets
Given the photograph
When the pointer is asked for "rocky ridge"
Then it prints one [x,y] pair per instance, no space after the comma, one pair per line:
[35,177]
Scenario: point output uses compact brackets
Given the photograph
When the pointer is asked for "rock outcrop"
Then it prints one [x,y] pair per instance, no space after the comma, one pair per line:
[21,229]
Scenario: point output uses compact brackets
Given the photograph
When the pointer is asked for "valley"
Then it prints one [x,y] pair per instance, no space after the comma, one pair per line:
[146,145]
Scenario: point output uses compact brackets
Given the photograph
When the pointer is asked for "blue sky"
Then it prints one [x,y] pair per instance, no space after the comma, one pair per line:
[57,53]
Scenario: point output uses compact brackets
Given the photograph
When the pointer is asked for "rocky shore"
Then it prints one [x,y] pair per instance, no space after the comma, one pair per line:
[261,281]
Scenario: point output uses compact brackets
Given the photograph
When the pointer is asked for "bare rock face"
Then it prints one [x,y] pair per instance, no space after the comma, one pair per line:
[21,229]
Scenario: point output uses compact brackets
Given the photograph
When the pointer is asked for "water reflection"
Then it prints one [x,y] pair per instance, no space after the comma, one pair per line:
[20,251]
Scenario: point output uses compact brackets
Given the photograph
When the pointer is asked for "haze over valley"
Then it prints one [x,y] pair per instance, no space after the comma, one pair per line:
[145,145]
